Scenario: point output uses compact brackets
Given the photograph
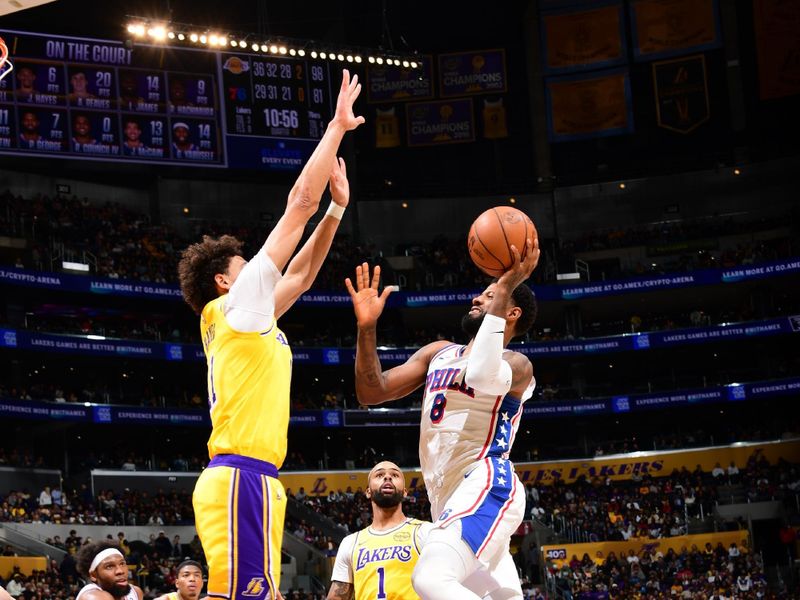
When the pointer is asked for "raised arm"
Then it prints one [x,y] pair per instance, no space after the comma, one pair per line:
[304,267]
[373,384]
[304,197]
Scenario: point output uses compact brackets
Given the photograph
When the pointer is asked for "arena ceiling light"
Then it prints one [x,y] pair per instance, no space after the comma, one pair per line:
[160,32]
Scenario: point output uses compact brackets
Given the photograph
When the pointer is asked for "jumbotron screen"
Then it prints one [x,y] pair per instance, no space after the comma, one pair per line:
[102,100]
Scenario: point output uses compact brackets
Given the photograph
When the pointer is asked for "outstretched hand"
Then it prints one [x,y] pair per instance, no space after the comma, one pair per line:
[367,303]
[522,268]
[339,186]
[348,93]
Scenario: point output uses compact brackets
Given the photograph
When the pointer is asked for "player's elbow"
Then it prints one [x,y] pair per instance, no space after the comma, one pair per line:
[302,200]
[369,397]
[490,381]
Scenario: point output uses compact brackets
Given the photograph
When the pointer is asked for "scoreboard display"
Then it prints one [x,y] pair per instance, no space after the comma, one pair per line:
[100,100]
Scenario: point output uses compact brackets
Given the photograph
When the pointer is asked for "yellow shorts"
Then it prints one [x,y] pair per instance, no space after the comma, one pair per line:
[239,507]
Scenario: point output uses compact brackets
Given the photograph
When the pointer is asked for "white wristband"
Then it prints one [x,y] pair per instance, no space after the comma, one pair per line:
[335,211]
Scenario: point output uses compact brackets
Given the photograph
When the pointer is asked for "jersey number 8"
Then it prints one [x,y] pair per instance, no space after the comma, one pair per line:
[437,410]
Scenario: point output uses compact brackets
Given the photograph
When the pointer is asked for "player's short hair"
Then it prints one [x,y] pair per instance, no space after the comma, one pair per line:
[525,299]
[189,563]
[86,555]
[199,263]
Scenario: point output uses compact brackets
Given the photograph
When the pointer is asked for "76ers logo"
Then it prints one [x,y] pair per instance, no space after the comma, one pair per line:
[445,514]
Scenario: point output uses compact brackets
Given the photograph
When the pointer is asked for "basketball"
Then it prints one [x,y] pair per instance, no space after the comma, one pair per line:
[493,233]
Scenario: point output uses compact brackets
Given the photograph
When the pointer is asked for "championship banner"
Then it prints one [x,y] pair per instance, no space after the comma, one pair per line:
[495,122]
[776,25]
[479,72]
[585,106]
[387,127]
[664,28]
[580,40]
[441,122]
[618,467]
[681,93]
[388,83]
[561,554]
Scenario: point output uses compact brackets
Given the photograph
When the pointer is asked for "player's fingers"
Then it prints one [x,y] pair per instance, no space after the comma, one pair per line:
[354,81]
[349,285]
[515,256]
[342,166]
[359,278]
[388,290]
[345,79]
[376,278]
[364,276]
[360,120]
[356,92]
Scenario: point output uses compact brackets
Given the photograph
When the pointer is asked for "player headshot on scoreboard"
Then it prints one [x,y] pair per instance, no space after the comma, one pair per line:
[191,95]
[91,87]
[26,82]
[132,144]
[79,88]
[82,132]
[177,92]
[29,130]
[42,130]
[129,96]
[181,140]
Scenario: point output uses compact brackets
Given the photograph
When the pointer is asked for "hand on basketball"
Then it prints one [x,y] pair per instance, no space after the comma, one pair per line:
[339,186]
[344,103]
[522,268]
[367,303]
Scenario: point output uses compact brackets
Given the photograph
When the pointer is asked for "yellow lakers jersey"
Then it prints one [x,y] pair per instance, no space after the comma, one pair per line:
[172,596]
[249,376]
[383,562]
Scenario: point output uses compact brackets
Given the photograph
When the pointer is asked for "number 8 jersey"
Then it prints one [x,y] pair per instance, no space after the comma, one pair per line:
[461,426]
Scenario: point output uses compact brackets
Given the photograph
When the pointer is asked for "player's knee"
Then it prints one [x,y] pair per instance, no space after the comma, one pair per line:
[427,579]
[438,566]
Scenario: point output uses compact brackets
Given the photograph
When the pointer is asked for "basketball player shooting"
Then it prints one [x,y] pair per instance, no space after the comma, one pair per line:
[472,405]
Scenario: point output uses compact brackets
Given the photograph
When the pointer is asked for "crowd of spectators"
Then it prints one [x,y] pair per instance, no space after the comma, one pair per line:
[79,506]
[711,573]
[137,326]
[600,509]
[673,232]
[126,244]
[351,510]
[154,563]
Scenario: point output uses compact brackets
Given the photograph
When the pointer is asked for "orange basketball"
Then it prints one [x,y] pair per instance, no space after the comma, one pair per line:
[492,235]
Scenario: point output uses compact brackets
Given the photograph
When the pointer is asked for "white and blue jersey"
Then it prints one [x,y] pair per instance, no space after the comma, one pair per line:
[465,440]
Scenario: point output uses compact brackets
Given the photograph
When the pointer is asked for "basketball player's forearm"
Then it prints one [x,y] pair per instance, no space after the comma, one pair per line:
[369,373]
[314,176]
[304,198]
[340,591]
[306,265]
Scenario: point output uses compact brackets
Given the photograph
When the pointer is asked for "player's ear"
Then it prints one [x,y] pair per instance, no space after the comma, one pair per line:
[222,281]
[514,313]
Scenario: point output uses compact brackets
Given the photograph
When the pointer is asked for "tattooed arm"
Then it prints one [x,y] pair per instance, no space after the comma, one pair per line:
[373,384]
[340,591]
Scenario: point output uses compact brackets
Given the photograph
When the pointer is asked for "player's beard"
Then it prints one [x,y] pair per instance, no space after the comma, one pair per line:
[470,325]
[384,500]
[118,591]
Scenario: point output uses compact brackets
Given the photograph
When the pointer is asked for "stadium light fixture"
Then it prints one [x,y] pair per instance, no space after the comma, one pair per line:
[172,32]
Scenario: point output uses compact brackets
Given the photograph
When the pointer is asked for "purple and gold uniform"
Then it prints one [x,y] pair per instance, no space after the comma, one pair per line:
[239,502]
